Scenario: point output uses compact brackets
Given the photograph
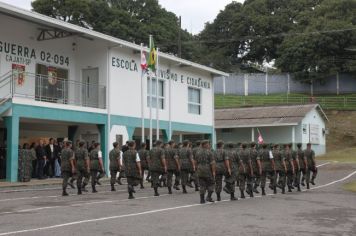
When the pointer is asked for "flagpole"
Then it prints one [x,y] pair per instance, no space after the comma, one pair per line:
[157,107]
[151,87]
[142,102]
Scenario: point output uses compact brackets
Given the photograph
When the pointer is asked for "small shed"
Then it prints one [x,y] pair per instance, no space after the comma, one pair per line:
[276,124]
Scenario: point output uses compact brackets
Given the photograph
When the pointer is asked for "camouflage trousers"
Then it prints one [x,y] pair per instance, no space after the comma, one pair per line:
[267,174]
[80,174]
[308,172]
[96,175]
[256,179]
[290,178]
[66,175]
[206,184]
[218,183]
[245,181]
[155,178]
[194,177]
[231,180]
[131,183]
[184,175]
[113,174]
[298,176]
[170,174]
[280,178]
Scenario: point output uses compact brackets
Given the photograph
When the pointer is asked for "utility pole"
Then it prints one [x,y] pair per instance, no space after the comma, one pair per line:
[180,37]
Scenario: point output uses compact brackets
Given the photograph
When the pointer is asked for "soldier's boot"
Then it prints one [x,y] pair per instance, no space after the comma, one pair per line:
[131,196]
[184,189]
[79,191]
[176,187]
[113,188]
[289,189]
[263,192]
[196,188]
[312,180]
[209,198]
[218,197]
[130,190]
[299,190]
[232,197]
[308,186]
[141,183]
[156,191]
[119,181]
[83,187]
[64,193]
[251,194]
[169,190]
[283,190]
[302,182]
[274,190]
[242,194]
[93,189]
[255,189]
[202,199]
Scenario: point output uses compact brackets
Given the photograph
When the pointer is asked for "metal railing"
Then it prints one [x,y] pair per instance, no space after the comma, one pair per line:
[52,89]
[326,102]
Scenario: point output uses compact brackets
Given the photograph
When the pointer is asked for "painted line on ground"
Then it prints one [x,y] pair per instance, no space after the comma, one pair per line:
[145,212]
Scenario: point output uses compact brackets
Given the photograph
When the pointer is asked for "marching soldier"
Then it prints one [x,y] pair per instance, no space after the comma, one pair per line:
[96,166]
[205,171]
[186,163]
[245,177]
[158,165]
[193,175]
[115,157]
[281,168]
[288,155]
[221,166]
[256,167]
[233,166]
[124,148]
[302,165]
[83,167]
[145,158]
[67,165]
[268,169]
[133,171]
[173,167]
[310,156]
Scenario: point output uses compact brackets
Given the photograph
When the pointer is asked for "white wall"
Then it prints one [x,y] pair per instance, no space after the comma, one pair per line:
[126,93]
[314,117]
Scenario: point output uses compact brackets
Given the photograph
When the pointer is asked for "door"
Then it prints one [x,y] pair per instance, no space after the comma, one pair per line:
[90,87]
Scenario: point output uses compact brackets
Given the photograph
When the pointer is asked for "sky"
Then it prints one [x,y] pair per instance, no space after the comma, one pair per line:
[195,13]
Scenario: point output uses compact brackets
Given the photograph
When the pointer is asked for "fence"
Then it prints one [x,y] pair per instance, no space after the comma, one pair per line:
[337,103]
[252,84]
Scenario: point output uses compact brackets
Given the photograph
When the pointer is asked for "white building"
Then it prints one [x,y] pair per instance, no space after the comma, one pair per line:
[60,80]
[277,124]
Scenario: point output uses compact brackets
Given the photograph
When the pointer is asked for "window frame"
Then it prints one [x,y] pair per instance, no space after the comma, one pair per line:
[191,103]
[162,105]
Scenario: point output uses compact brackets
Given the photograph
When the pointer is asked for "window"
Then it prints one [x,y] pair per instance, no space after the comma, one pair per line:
[153,93]
[194,101]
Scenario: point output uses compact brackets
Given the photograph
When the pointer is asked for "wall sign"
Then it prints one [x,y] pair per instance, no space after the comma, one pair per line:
[18,74]
[314,134]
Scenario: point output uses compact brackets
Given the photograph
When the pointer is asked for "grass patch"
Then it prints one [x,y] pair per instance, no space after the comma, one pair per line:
[341,102]
[350,186]
[345,155]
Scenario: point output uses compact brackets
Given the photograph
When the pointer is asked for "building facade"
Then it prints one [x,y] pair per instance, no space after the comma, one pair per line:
[63,81]
[278,124]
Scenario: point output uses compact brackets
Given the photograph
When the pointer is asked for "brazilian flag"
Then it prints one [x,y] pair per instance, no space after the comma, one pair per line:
[152,60]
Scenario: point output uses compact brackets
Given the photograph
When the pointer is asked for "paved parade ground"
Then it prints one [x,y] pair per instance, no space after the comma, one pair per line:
[326,209]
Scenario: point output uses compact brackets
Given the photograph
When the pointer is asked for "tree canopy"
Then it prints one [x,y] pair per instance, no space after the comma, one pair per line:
[311,39]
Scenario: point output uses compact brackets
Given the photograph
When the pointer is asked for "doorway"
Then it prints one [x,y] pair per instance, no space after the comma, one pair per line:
[90,88]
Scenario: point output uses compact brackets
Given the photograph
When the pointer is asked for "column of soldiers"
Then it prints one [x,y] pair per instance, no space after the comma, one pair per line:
[246,166]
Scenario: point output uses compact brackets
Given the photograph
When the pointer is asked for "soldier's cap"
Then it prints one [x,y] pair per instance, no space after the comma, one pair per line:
[244,145]
[81,143]
[185,142]
[286,145]
[205,142]
[299,145]
[68,142]
[131,143]
[265,145]
[253,144]
[198,142]
[230,145]
[308,144]
[290,145]
[171,142]
[158,142]
[276,145]
[115,144]
[220,143]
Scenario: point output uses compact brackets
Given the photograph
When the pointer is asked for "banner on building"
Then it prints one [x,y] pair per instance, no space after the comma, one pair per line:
[18,73]
[52,75]
[314,134]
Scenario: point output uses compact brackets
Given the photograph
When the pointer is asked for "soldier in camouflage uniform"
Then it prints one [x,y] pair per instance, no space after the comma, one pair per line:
[173,167]
[83,166]
[193,175]
[205,164]
[158,165]
[96,166]
[233,166]
[221,167]
[145,158]
[281,168]
[186,163]
[256,167]
[268,168]
[245,176]
[288,156]
[302,165]
[115,156]
[309,154]
[67,165]
[133,171]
